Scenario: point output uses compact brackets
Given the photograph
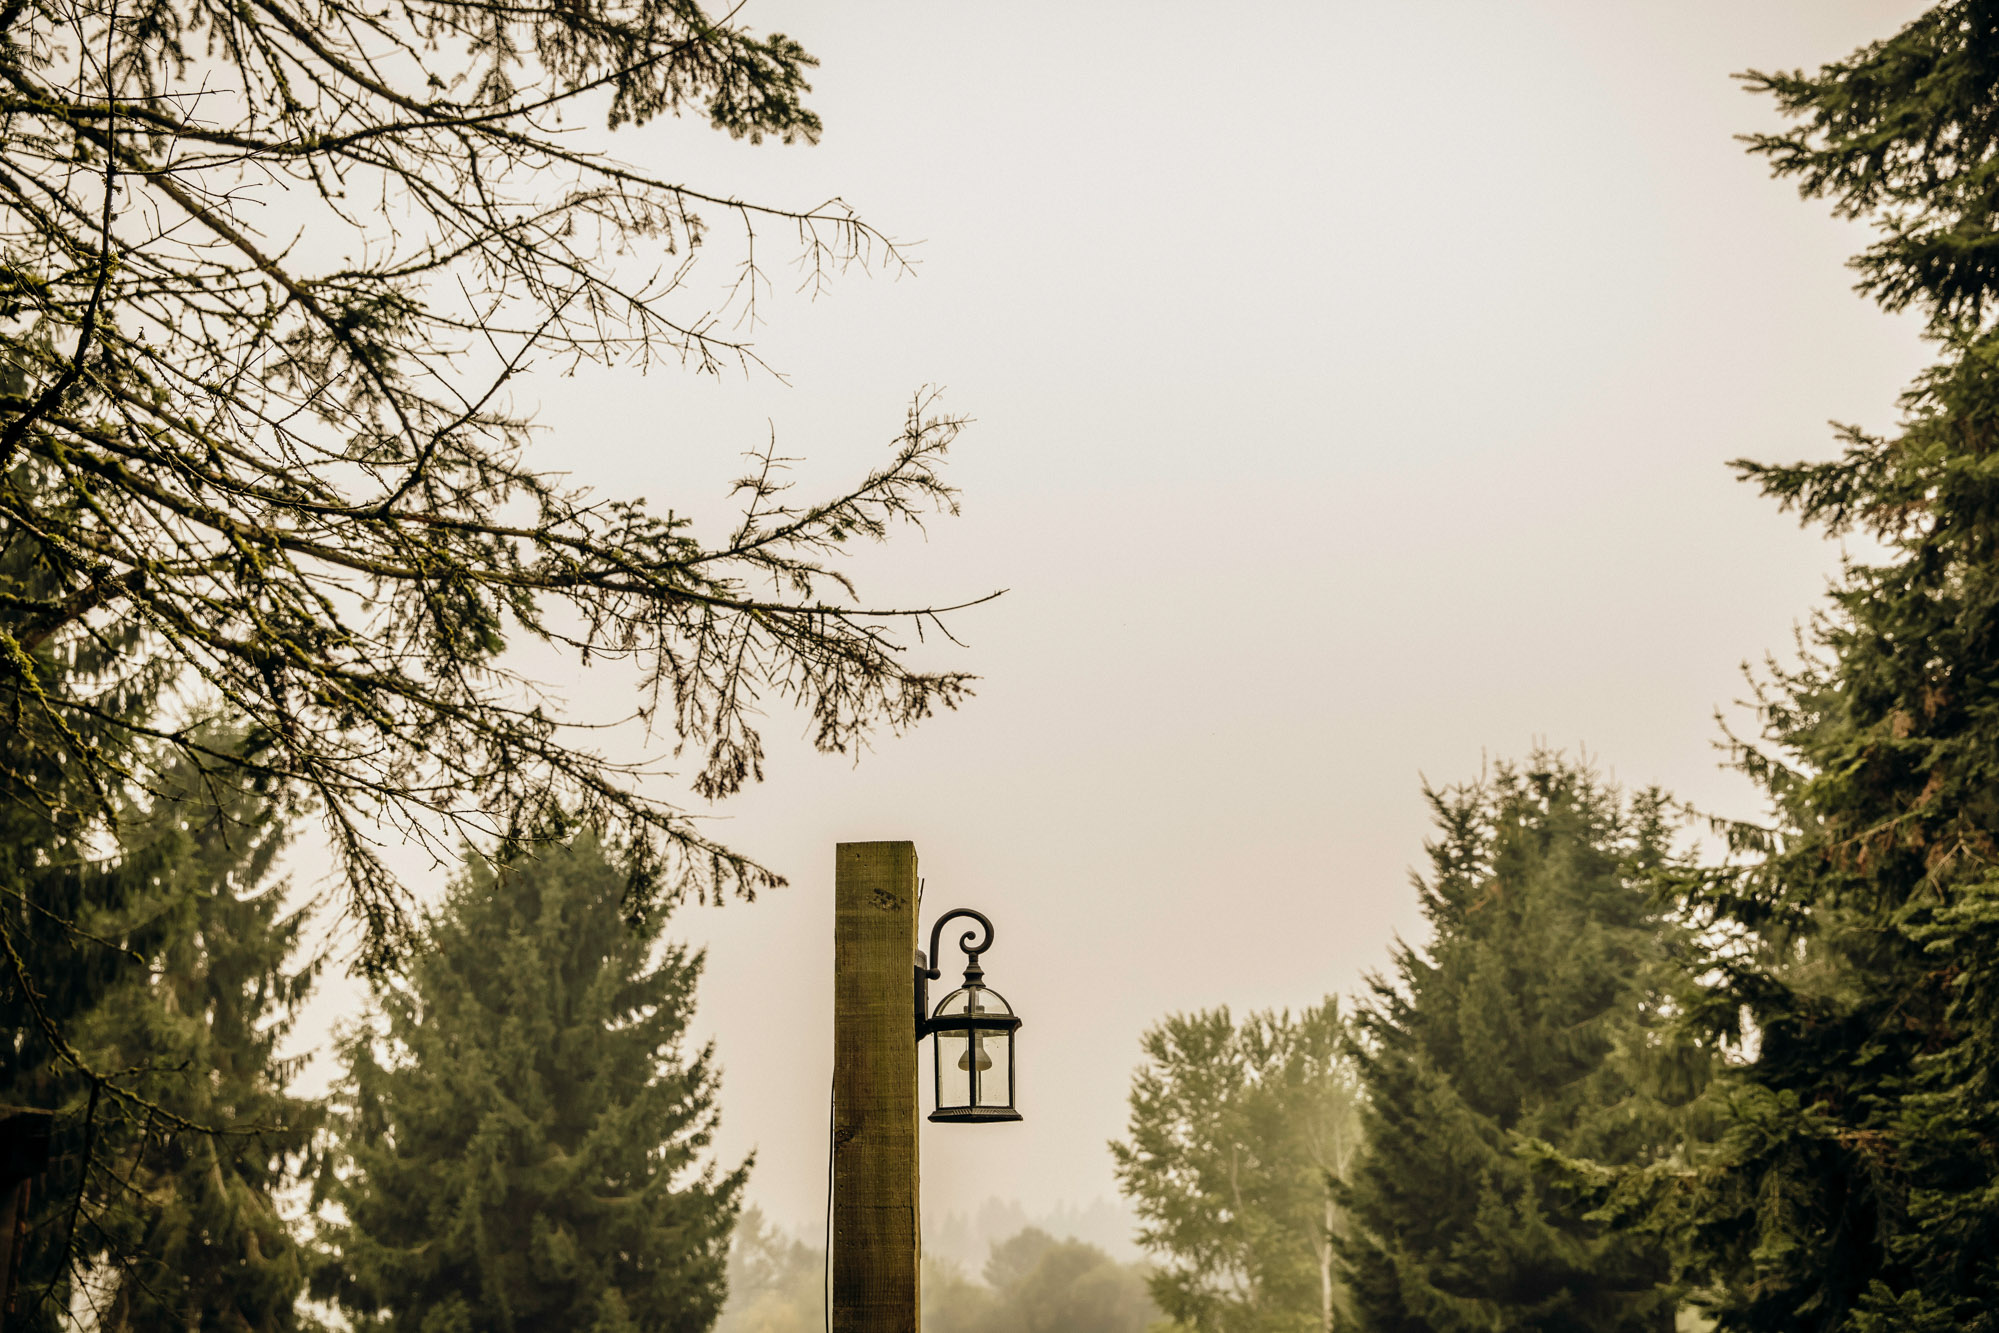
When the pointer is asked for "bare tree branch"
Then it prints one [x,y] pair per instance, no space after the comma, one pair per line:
[266,273]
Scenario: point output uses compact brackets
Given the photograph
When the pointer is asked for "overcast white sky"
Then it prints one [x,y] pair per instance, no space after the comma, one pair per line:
[1354,384]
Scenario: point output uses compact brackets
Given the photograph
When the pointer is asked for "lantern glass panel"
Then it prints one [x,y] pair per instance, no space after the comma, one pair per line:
[954,1079]
[995,1080]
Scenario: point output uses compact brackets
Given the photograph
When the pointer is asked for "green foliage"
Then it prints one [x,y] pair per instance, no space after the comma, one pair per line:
[1903,134]
[1239,1136]
[954,1302]
[174,1130]
[1855,942]
[55,824]
[190,1232]
[145,985]
[524,1134]
[1045,1285]
[1527,1033]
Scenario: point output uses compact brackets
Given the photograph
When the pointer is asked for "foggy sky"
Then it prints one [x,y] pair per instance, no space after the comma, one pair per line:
[1354,385]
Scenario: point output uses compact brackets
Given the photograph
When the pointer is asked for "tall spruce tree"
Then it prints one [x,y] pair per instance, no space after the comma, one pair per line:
[191,1234]
[1516,1031]
[526,1136]
[1855,955]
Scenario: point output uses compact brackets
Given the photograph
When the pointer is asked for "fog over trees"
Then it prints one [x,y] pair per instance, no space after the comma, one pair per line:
[273,532]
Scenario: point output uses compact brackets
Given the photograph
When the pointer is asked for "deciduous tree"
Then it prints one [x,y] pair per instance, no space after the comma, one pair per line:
[1036,1283]
[777,1283]
[1239,1136]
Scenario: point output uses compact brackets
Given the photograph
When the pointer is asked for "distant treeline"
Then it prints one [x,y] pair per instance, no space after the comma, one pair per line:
[1032,1283]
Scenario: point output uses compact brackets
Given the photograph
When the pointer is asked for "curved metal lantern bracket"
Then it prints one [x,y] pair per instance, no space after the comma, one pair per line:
[927,970]
[973,972]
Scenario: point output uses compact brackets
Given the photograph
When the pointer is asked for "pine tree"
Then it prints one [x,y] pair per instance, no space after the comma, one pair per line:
[159,1053]
[1855,964]
[525,1140]
[1509,1039]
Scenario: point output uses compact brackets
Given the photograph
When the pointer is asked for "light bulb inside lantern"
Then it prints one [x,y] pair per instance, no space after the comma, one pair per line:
[975,1052]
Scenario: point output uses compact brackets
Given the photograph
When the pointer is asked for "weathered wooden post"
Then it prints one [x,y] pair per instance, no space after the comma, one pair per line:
[875,1225]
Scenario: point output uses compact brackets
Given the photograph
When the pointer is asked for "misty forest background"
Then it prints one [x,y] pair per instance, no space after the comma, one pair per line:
[271,538]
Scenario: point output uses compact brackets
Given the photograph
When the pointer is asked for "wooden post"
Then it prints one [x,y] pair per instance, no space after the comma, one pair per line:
[875,1265]
[24,1154]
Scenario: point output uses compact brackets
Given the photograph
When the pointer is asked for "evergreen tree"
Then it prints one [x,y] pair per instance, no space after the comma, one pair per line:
[192,1236]
[1239,1136]
[1514,1034]
[142,980]
[525,1133]
[1855,959]
[54,824]
[159,1055]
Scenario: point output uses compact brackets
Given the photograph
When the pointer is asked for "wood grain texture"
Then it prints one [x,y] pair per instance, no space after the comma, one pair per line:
[875,1225]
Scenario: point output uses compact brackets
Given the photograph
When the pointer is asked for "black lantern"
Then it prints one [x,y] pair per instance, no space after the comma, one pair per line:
[974,1029]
